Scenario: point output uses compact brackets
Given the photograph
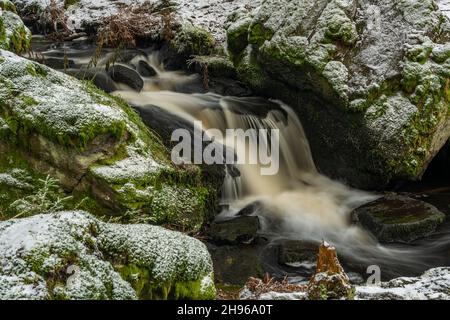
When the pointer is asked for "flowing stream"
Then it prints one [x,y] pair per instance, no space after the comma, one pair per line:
[297,203]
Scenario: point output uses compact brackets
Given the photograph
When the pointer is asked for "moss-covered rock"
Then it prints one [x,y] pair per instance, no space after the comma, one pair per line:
[193,41]
[72,255]
[7,5]
[399,219]
[96,146]
[374,102]
[14,35]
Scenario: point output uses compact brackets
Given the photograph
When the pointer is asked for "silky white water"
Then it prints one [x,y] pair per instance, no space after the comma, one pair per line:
[298,202]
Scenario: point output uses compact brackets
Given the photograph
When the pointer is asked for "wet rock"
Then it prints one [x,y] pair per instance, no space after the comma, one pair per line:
[59,63]
[235,264]
[124,74]
[97,76]
[235,231]
[298,254]
[253,208]
[330,280]
[399,219]
[145,69]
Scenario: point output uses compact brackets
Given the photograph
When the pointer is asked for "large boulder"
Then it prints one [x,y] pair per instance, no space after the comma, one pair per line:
[399,219]
[97,148]
[14,35]
[368,78]
[72,255]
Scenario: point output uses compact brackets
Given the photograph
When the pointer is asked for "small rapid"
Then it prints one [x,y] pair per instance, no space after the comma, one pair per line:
[297,203]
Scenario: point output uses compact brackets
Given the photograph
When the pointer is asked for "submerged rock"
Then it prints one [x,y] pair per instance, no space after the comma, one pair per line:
[399,219]
[374,102]
[96,146]
[432,285]
[72,255]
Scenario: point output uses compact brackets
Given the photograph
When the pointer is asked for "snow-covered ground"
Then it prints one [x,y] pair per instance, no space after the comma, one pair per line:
[208,14]
[445,6]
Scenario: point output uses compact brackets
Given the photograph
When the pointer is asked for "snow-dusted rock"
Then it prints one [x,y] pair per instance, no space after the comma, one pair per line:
[72,255]
[444,5]
[94,144]
[210,15]
[14,35]
[368,78]
[432,285]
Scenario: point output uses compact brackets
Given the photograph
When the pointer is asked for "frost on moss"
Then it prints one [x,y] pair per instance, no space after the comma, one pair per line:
[7,5]
[193,41]
[95,145]
[14,35]
[342,67]
[71,255]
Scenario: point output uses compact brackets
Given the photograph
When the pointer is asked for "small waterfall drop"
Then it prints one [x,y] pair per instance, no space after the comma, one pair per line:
[298,203]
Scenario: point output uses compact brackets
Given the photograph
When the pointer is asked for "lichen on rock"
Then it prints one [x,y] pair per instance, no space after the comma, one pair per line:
[381,95]
[72,255]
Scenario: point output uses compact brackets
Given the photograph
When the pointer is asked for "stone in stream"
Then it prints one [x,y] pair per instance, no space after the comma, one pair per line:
[97,76]
[59,63]
[235,231]
[396,218]
[126,75]
[297,254]
[253,208]
[145,69]
[235,264]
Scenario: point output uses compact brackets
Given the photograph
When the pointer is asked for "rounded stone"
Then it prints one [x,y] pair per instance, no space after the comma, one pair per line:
[396,218]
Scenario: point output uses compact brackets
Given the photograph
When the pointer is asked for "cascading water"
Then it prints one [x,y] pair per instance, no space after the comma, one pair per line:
[296,203]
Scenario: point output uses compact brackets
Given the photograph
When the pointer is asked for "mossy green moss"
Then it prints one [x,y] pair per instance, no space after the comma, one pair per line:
[7,5]
[148,289]
[15,36]
[193,41]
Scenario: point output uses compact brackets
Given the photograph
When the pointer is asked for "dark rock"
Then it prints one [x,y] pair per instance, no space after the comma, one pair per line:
[126,75]
[164,123]
[104,82]
[235,231]
[253,208]
[399,219]
[299,254]
[234,265]
[145,69]
[98,77]
[367,115]
[59,63]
